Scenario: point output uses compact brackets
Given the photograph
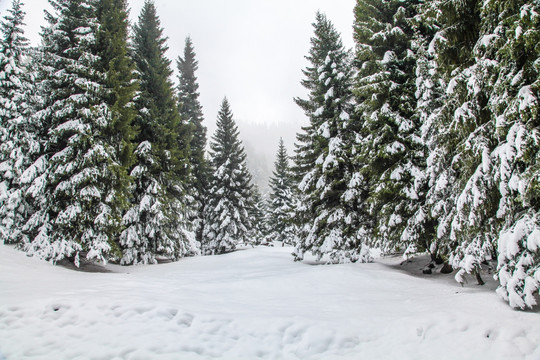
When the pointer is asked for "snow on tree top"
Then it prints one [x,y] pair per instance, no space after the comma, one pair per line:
[388,57]
[527,99]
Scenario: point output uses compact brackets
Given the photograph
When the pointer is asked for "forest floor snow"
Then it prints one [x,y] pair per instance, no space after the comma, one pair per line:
[252,304]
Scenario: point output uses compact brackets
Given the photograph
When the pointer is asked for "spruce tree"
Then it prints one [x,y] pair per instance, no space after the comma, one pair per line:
[463,195]
[156,223]
[17,140]
[121,77]
[227,213]
[482,136]
[328,218]
[281,202]
[390,152]
[257,214]
[77,189]
[419,233]
[475,225]
[121,85]
[191,112]
[325,40]
[515,105]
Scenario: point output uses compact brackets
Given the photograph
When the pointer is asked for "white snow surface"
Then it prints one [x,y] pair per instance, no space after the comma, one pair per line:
[251,304]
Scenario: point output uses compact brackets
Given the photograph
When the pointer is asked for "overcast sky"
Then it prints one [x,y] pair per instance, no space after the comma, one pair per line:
[251,51]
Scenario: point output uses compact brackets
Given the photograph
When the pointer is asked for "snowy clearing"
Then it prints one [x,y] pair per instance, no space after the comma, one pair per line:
[251,304]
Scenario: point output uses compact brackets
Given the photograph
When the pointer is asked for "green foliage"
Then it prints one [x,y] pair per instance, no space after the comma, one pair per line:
[257,212]
[515,104]
[121,82]
[121,85]
[17,141]
[156,223]
[325,40]
[326,217]
[191,111]
[78,195]
[158,119]
[280,216]
[229,199]
[390,155]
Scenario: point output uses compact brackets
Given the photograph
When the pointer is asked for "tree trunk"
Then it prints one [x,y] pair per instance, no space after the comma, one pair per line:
[478,277]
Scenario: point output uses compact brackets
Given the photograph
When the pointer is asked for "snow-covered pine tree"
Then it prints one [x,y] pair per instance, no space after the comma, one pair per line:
[389,151]
[227,213]
[76,191]
[191,111]
[328,218]
[325,40]
[475,225]
[257,213]
[121,78]
[156,223]
[515,105]
[17,140]
[419,233]
[281,204]
[462,196]
[305,154]
[121,84]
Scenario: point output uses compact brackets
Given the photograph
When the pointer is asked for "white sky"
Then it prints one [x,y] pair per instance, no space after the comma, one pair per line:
[251,51]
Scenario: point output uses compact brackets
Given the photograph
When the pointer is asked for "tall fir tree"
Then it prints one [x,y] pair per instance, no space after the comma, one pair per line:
[257,213]
[281,204]
[191,111]
[462,197]
[390,153]
[121,84]
[156,223]
[328,217]
[484,144]
[325,40]
[515,105]
[419,233]
[229,200]
[475,225]
[77,187]
[121,76]
[17,140]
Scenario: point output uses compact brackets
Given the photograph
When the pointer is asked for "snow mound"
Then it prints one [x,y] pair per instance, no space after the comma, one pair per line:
[251,304]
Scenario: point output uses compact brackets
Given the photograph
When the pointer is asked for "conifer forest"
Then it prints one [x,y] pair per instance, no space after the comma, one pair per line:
[423,139]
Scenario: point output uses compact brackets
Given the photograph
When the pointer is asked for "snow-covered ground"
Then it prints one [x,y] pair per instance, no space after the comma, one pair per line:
[251,304]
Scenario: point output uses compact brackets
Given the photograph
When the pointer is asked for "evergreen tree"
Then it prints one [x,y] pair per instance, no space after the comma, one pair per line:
[325,40]
[257,214]
[475,225]
[482,135]
[328,218]
[511,41]
[191,112]
[76,192]
[281,203]
[227,213]
[156,223]
[17,140]
[462,196]
[390,152]
[121,85]
[121,77]
[419,233]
